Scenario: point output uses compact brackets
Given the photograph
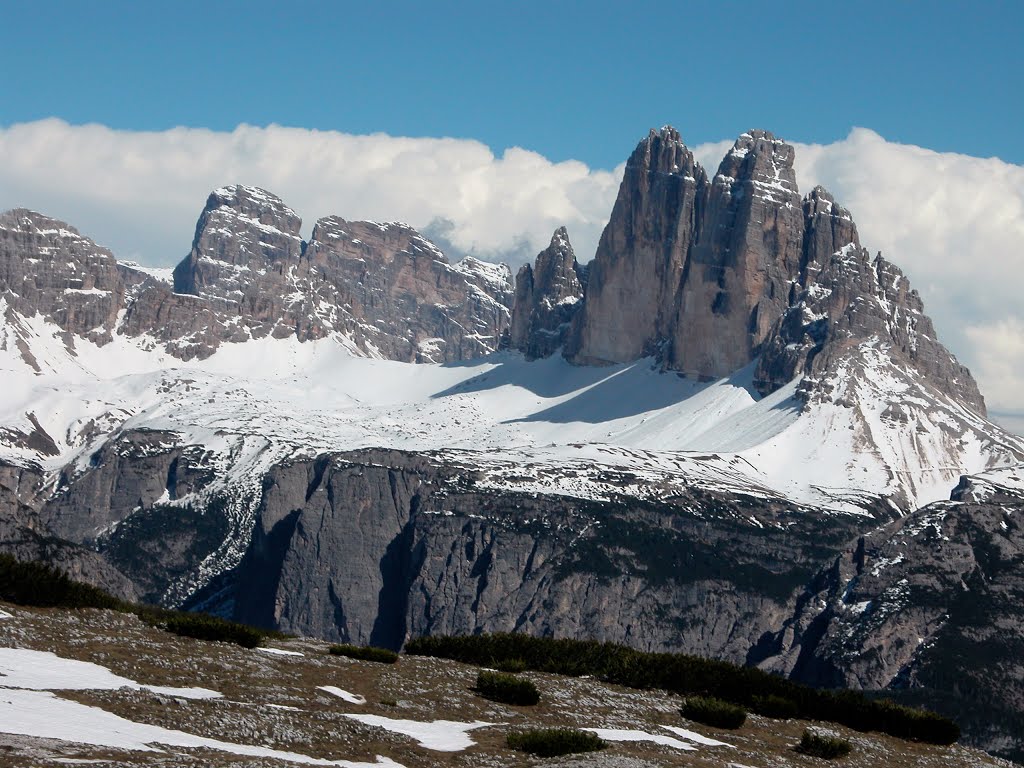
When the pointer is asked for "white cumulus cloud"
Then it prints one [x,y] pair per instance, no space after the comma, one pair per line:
[140,193]
[954,223]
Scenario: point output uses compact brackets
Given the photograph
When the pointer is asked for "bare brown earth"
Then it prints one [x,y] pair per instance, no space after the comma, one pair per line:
[413,689]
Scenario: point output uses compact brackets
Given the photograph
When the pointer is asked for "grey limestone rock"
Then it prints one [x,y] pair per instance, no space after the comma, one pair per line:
[634,280]
[927,607]
[549,296]
[47,267]
[249,275]
[397,295]
[711,274]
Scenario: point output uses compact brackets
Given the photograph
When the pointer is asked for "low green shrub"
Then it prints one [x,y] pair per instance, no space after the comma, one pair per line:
[552,742]
[714,712]
[689,676]
[40,585]
[827,747]
[510,665]
[364,653]
[506,688]
[777,707]
[202,626]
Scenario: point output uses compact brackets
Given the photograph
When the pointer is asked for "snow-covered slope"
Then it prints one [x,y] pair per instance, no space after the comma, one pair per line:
[255,403]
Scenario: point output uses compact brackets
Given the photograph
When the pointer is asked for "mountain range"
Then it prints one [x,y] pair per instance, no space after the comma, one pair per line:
[733,432]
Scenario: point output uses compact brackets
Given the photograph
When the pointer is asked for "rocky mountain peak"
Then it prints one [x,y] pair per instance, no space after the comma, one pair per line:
[257,204]
[759,158]
[48,267]
[548,298]
[633,281]
[663,151]
[242,230]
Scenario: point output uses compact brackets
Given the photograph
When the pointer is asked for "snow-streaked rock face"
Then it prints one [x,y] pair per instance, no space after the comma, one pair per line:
[47,267]
[929,602]
[396,296]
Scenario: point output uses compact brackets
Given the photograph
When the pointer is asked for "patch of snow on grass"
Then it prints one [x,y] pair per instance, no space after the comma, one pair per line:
[351,698]
[615,734]
[44,671]
[43,715]
[279,652]
[696,737]
[438,735]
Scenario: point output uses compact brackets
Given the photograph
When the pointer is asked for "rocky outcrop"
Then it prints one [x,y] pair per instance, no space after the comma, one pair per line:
[742,263]
[933,592]
[396,296]
[243,234]
[24,535]
[853,299]
[549,296]
[47,267]
[692,269]
[128,473]
[634,279]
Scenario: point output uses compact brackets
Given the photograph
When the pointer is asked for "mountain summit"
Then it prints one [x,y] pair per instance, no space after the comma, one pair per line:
[710,274]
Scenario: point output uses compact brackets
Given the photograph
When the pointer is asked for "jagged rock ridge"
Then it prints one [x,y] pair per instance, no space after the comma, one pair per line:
[712,273]
[384,288]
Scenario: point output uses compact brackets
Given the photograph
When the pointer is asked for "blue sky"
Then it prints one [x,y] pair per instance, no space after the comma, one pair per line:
[579,80]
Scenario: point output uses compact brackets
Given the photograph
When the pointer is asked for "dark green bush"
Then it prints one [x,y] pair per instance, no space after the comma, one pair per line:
[40,585]
[364,653]
[506,688]
[828,747]
[202,626]
[552,742]
[775,706]
[690,675]
[713,712]
[510,665]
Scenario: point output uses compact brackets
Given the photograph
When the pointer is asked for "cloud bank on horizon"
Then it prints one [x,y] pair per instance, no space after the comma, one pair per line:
[953,223]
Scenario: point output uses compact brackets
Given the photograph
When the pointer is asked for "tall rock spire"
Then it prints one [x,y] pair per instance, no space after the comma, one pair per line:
[635,276]
[548,297]
[741,265]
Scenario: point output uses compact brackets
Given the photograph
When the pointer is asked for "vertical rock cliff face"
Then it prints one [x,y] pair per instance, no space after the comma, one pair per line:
[742,264]
[635,277]
[695,270]
[549,296]
[376,546]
